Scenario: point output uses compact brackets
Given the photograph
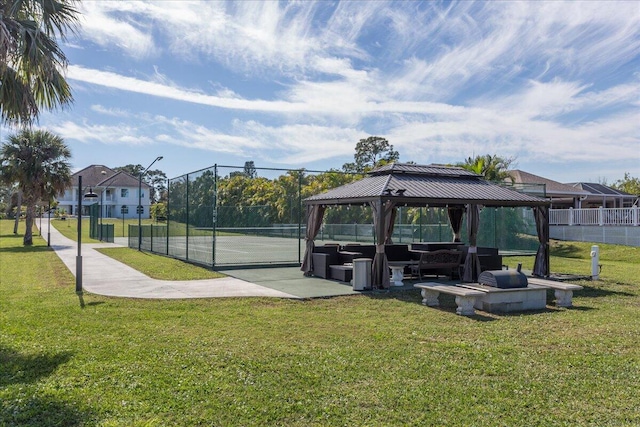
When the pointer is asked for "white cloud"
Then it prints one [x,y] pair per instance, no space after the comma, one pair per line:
[104,134]
[99,25]
[241,35]
[521,124]
[142,129]
[190,135]
[537,80]
[120,82]
[472,43]
[341,98]
[300,144]
[115,112]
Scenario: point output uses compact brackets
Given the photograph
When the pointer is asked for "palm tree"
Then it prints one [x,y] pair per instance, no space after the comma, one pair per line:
[491,167]
[38,162]
[31,61]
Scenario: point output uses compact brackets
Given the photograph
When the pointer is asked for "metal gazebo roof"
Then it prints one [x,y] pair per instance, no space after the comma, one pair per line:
[420,185]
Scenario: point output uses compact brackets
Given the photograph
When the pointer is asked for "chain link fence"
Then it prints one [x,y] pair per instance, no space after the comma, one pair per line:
[234,216]
[98,230]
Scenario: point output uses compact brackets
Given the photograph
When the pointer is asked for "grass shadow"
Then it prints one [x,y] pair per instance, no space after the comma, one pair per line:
[42,411]
[567,251]
[412,295]
[11,236]
[92,303]
[594,292]
[579,308]
[80,295]
[60,247]
[17,368]
[25,249]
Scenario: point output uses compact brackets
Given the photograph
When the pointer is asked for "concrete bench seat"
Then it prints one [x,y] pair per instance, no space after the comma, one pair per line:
[465,298]
[563,291]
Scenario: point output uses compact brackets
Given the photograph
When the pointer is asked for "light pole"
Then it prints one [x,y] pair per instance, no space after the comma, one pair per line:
[140,201]
[104,173]
[90,195]
[49,225]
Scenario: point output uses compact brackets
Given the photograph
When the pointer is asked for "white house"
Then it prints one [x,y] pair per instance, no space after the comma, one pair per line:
[117,193]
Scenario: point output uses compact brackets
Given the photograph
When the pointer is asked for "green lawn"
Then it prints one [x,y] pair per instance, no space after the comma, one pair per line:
[69,227]
[158,266]
[377,359]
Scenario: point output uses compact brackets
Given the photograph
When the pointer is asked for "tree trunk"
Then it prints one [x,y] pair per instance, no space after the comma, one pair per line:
[28,222]
[18,209]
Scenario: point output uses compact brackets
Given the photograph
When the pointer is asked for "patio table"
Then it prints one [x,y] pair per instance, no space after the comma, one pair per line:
[397,270]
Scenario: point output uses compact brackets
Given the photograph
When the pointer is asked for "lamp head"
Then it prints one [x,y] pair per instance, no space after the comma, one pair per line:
[90,194]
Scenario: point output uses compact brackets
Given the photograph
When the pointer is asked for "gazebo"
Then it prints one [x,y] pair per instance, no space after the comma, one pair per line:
[402,184]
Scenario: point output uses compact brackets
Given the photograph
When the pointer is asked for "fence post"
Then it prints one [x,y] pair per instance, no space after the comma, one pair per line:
[168,212]
[187,222]
[634,214]
[571,216]
[601,216]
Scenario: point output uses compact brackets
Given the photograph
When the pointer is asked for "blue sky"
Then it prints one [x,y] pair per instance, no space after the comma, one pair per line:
[297,84]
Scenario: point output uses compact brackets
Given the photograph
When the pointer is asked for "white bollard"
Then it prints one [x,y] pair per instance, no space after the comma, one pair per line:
[595,262]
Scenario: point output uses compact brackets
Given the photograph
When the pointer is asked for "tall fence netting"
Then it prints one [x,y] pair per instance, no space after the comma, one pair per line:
[231,216]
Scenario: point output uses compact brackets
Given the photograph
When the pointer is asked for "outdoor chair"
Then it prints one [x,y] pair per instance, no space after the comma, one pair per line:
[444,261]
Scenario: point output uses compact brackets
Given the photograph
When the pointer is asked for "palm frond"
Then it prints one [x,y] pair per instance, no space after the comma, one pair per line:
[31,60]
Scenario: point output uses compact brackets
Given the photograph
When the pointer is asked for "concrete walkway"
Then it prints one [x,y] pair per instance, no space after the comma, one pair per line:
[103,275]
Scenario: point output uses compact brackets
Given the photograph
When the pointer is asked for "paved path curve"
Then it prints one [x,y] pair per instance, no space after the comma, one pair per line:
[103,275]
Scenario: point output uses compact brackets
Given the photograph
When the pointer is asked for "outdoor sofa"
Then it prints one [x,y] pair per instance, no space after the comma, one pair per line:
[333,261]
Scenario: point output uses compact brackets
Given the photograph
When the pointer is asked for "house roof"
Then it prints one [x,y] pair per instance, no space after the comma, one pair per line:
[552,188]
[420,185]
[601,190]
[103,176]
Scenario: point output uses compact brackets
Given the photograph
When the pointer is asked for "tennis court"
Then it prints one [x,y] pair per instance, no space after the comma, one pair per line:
[248,246]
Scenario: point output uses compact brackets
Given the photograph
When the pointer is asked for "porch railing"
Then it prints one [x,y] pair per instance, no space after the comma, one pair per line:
[595,216]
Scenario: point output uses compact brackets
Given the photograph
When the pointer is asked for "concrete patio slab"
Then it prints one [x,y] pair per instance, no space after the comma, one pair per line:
[291,281]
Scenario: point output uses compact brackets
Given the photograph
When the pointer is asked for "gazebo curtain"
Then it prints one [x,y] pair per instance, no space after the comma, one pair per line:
[383,221]
[390,224]
[383,225]
[315,213]
[456,214]
[541,264]
[472,263]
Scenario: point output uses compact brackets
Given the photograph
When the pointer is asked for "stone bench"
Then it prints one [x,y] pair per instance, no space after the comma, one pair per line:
[563,291]
[465,298]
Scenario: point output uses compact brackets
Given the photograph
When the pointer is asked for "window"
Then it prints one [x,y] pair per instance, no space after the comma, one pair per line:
[124,192]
